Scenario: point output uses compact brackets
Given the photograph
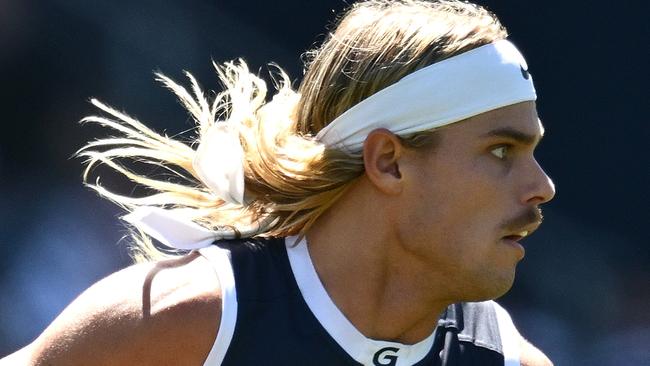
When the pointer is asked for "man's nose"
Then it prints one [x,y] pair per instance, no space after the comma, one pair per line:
[540,187]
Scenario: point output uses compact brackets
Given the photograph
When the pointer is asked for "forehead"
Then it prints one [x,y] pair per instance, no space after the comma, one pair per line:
[519,118]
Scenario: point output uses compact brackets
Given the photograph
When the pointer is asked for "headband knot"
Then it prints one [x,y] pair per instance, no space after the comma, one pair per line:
[219,162]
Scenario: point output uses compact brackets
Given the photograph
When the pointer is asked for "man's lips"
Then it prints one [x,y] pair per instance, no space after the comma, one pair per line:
[513,241]
[517,237]
[516,234]
[519,233]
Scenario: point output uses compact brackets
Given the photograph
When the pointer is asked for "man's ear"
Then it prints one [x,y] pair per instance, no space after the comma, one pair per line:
[381,152]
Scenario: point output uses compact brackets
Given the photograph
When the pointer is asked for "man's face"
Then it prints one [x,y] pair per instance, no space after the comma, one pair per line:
[468,200]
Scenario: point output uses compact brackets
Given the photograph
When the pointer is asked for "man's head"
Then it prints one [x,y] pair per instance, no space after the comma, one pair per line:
[460,207]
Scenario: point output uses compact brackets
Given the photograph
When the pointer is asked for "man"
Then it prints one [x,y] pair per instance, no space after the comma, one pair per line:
[364,220]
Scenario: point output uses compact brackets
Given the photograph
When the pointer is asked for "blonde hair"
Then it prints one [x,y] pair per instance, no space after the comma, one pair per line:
[290,178]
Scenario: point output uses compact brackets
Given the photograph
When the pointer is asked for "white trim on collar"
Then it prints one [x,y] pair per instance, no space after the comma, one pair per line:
[220,260]
[363,350]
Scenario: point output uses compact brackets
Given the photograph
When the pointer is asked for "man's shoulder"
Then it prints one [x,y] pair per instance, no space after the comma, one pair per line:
[489,325]
[165,312]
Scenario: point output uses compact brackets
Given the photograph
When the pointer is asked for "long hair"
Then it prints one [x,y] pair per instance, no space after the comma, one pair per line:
[290,178]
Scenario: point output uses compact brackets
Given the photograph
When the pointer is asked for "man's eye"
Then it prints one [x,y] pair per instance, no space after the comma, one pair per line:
[500,152]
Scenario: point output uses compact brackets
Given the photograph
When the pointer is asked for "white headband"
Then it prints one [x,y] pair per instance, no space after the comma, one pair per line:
[485,78]
[474,82]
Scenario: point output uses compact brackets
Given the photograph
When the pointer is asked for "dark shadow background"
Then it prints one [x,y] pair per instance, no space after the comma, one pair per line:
[583,291]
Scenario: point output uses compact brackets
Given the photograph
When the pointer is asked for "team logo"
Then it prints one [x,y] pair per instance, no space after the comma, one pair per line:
[524,72]
[385,357]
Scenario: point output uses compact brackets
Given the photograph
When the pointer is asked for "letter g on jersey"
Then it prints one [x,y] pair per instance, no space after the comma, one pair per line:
[385,357]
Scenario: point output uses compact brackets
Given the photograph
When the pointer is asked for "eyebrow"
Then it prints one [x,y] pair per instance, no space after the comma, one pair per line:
[513,134]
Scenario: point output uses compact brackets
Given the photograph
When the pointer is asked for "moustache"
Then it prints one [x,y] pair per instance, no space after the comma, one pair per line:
[529,217]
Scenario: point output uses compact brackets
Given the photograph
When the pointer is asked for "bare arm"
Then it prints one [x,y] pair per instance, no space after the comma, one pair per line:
[532,356]
[164,313]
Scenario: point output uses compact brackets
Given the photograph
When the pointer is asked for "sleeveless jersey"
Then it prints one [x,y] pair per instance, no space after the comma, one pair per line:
[275,311]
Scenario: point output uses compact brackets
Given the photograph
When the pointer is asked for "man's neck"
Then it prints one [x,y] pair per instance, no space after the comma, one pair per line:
[381,288]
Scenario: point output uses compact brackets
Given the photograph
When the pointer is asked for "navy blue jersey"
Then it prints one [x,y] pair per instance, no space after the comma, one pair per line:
[275,311]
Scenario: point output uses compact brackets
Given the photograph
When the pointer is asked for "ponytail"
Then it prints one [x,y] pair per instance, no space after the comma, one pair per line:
[289,178]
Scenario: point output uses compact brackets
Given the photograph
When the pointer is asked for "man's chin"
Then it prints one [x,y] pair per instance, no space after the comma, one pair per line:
[490,289]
